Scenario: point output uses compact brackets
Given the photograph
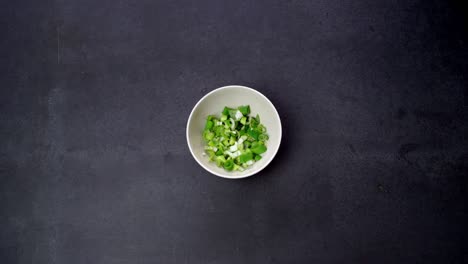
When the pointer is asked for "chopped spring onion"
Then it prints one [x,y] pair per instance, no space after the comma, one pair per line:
[235,140]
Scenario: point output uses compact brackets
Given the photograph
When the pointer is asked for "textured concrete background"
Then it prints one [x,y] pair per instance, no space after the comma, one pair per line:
[95,95]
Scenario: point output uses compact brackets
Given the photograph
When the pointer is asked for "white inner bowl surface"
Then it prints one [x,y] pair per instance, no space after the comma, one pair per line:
[233,96]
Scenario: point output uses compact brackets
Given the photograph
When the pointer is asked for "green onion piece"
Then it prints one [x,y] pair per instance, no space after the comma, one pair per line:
[209,125]
[226,110]
[243,158]
[261,128]
[240,146]
[219,130]
[253,134]
[207,135]
[263,137]
[210,153]
[232,123]
[229,165]
[210,136]
[253,122]
[220,160]
[258,149]
[232,113]
[243,120]
[245,110]
[257,157]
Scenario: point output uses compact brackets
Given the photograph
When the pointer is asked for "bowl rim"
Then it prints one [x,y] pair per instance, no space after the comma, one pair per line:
[253,171]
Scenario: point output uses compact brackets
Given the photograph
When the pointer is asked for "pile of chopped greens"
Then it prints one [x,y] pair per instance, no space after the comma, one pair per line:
[235,140]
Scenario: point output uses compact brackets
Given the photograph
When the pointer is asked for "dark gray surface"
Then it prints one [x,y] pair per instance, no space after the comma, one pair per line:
[95,95]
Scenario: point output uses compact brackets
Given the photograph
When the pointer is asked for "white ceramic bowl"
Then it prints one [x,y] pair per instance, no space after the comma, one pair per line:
[233,96]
